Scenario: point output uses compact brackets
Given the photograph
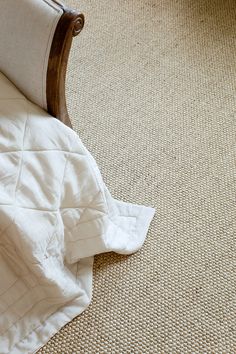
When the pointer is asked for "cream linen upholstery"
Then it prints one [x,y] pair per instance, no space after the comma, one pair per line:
[26,32]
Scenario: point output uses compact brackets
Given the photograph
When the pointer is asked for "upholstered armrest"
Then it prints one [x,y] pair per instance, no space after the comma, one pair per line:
[35,40]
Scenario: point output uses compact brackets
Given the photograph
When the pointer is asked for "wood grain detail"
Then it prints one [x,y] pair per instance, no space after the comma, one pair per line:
[69,25]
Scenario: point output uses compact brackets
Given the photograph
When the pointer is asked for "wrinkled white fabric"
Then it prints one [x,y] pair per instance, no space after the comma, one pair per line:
[55,214]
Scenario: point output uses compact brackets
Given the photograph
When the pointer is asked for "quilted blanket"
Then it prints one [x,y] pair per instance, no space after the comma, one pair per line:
[55,215]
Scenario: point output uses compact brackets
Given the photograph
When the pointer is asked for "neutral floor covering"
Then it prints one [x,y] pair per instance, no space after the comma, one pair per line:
[151,92]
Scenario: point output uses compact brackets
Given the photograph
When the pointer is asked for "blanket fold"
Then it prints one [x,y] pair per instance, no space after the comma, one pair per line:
[55,215]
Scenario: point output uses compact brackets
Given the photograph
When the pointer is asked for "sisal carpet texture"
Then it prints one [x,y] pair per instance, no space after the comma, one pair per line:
[151,92]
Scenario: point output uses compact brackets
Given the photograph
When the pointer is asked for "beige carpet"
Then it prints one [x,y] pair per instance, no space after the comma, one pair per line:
[151,91]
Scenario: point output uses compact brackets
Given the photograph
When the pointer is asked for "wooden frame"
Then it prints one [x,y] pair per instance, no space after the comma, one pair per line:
[69,25]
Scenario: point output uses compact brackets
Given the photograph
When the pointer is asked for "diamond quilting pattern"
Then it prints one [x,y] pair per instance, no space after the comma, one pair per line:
[9,163]
[54,211]
[40,179]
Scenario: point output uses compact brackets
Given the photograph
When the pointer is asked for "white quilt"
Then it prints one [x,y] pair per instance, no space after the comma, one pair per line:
[55,214]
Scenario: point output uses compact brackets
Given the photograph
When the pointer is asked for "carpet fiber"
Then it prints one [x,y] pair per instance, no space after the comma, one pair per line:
[151,92]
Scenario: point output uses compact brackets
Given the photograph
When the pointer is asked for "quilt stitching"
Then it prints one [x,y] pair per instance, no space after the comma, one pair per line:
[29,208]
[85,209]
[40,325]
[48,150]
[67,153]
[63,178]
[22,260]
[96,200]
[22,156]
[5,291]
[35,304]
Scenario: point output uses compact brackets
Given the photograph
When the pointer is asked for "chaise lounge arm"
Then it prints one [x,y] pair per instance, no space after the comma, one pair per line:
[35,41]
